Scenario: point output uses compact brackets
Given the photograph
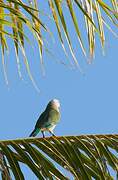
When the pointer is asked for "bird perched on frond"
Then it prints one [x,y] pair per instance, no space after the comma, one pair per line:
[48,119]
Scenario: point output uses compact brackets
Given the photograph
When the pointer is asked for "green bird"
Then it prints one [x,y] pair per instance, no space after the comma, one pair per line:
[48,119]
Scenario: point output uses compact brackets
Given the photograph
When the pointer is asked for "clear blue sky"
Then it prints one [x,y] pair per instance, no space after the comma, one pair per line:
[88,102]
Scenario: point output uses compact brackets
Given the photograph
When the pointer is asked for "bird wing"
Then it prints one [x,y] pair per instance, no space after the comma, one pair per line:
[42,120]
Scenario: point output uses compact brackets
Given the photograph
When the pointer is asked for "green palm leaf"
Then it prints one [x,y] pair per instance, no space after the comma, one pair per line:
[85,157]
[18,16]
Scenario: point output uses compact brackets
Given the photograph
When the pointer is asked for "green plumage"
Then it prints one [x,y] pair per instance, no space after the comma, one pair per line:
[48,119]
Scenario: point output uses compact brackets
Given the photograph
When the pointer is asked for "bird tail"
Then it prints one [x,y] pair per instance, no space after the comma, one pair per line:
[34,132]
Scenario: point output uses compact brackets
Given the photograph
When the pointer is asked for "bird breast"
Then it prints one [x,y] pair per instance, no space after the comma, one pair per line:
[54,116]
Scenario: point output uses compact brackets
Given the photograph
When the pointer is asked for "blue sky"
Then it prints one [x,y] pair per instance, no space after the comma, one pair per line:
[88,102]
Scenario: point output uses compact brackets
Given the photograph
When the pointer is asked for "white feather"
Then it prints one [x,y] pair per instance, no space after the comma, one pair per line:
[56,102]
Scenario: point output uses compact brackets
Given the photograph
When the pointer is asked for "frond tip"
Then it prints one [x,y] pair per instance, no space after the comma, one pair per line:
[85,157]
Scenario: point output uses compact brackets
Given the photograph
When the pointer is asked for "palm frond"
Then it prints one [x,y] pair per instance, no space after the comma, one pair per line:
[16,17]
[85,157]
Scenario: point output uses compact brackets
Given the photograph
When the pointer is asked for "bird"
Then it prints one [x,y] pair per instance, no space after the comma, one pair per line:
[48,119]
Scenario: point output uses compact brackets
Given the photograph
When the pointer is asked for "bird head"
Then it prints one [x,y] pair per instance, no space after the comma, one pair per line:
[54,103]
